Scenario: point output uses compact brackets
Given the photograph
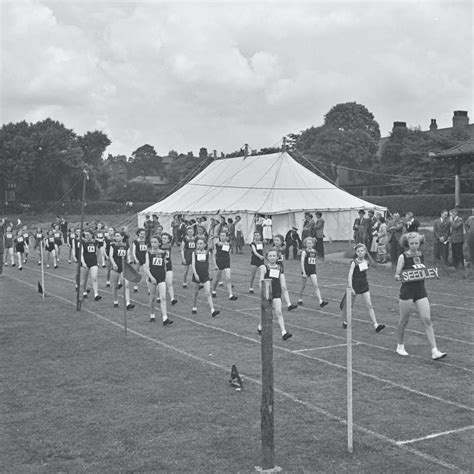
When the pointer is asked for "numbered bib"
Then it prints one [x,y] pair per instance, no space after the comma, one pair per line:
[25,236]
[363,266]
[121,252]
[225,247]
[143,247]
[20,239]
[312,260]
[39,236]
[259,246]
[157,261]
[201,257]
[274,273]
[91,248]
[191,245]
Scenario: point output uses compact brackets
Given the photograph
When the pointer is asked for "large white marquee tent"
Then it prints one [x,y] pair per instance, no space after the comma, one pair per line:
[273,184]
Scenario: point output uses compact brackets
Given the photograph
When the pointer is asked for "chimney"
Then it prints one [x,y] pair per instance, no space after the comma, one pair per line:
[399,126]
[433,125]
[460,119]
[214,154]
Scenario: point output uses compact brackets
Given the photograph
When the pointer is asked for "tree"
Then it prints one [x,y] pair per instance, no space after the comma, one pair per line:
[145,162]
[349,137]
[93,145]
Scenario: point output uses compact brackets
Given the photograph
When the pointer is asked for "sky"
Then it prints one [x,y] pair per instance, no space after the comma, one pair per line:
[185,75]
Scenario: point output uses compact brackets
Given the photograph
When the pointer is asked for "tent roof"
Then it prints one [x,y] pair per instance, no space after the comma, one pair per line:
[266,184]
[464,149]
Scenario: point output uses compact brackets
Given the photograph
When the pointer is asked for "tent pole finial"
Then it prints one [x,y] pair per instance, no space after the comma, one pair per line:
[284,146]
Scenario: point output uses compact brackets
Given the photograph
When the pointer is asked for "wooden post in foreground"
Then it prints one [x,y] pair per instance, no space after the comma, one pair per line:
[124,298]
[350,444]
[267,407]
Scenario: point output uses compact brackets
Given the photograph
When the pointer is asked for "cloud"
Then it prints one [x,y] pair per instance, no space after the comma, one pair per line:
[186,75]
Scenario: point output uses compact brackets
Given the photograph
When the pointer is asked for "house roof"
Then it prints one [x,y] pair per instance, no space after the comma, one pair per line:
[464,149]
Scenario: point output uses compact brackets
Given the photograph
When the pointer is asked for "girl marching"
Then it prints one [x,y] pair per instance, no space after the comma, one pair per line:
[9,243]
[188,245]
[155,269]
[166,243]
[89,262]
[20,246]
[200,267]
[100,241]
[256,258]
[273,270]
[39,237]
[139,249]
[221,256]
[308,270]
[58,240]
[50,248]
[279,246]
[357,281]
[414,292]
[117,255]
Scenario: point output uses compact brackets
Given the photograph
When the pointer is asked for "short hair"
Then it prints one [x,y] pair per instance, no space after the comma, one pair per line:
[309,238]
[319,214]
[411,235]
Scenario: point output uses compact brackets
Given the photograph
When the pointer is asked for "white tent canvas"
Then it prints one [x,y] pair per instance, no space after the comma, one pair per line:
[273,184]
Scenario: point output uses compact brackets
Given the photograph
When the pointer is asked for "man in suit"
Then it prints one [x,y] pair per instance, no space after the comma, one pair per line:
[441,231]
[395,228]
[457,239]
[318,230]
[411,224]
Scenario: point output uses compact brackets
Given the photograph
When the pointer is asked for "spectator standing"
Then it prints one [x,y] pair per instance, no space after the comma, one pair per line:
[382,237]
[259,224]
[319,235]
[395,229]
[411,224]
[239,235]
[469,226]
[308,226]
[441,231]
[2,233]
[371,243]
[361,228]
[457,239]
[267,230]
[292,239]
[148,226]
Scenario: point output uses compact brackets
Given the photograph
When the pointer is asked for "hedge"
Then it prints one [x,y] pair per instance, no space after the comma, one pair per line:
[68,208]
[428,205]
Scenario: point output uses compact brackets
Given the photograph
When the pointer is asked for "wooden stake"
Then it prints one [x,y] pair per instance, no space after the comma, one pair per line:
[350,444]
[267,407]
[42,269]
[124,299]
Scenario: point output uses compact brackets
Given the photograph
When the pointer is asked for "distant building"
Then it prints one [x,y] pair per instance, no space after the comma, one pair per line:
[117,167]
[360,185]
[157,181]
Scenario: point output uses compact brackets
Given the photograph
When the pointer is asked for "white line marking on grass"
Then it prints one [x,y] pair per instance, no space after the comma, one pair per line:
[324,347]
[284,394]
[435,435]
[332,364]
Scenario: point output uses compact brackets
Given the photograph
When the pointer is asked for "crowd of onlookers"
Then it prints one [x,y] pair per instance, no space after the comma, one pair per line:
[451,234]
[453,237]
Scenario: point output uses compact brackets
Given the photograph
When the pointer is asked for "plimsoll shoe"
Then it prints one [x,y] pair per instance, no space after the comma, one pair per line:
[401,351]
[168,322]
[215,313]
[323,304]
[380,327]
[292,307]
[233,297]
[174,301]
[130,306]
[438,355]
[286,336]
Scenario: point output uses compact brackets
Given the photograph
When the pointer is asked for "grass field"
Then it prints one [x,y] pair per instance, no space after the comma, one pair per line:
[77,395]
